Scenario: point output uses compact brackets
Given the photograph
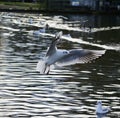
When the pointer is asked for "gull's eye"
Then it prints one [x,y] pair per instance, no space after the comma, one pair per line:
[65,52]
[99,102]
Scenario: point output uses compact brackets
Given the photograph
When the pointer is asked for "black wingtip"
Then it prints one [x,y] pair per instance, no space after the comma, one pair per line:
[58,35]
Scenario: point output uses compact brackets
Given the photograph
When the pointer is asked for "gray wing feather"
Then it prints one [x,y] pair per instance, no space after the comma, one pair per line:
[79,56]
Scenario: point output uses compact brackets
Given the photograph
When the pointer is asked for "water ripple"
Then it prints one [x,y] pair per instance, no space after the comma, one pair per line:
[69,92]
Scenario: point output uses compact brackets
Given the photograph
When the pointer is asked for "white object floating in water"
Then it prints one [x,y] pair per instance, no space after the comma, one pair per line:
[67,35]
[43,30]
[100,109]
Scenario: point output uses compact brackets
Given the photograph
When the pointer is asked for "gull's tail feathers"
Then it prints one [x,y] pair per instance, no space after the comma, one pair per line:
[42,67]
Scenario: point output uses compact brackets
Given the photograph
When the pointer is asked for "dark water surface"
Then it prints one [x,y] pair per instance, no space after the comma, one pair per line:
[68,92]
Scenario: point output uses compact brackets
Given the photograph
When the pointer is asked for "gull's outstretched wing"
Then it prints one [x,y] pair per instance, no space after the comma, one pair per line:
[79,56]
[52,48]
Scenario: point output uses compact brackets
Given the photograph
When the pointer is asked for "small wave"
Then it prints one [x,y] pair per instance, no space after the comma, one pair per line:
[9,28]
[107,47]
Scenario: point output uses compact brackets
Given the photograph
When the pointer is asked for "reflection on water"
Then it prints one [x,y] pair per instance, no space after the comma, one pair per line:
[69,92]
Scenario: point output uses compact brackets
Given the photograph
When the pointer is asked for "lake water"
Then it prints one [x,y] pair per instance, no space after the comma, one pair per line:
[67,92]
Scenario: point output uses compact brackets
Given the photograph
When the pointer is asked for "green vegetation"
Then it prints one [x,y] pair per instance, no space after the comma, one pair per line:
[21,5]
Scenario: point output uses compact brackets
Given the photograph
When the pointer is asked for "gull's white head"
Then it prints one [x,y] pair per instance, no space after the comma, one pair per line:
[99,102]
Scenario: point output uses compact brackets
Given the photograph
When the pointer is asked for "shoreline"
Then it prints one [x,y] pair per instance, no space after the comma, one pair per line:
[4,8]
[61,11]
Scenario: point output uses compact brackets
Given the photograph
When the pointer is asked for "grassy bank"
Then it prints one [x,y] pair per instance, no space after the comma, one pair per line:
[41,7]
[21,5]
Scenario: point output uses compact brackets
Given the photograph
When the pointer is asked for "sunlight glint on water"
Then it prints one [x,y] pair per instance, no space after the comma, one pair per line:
[68,92]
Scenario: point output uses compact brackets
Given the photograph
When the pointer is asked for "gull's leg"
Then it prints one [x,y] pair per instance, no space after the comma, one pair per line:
[45,68]
[48,70]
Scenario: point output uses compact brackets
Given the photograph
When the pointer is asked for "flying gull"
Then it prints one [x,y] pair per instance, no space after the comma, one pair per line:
[62,57]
